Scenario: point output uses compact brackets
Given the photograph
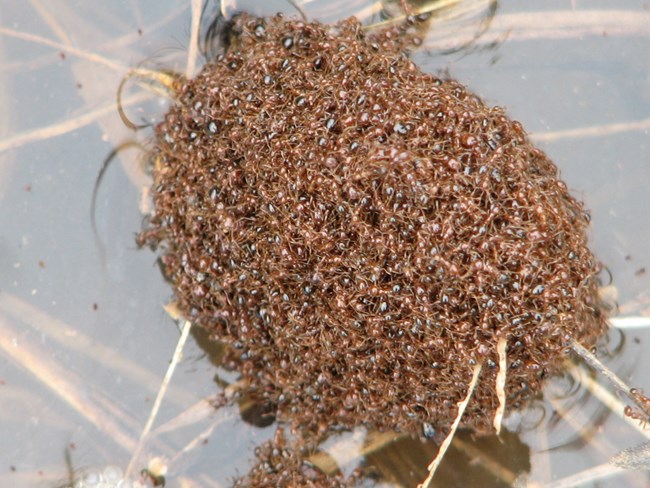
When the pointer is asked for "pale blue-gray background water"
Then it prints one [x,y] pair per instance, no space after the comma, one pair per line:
[86,318]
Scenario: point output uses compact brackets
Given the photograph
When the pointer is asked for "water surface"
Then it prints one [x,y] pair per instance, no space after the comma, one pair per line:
[85,340]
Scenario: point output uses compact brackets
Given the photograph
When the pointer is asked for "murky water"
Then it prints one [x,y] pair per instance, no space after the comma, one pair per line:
[84,338]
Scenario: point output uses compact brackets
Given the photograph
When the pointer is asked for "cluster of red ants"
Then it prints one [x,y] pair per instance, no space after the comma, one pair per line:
[362,233]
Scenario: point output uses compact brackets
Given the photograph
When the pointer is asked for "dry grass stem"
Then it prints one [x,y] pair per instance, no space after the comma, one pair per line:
[194,414]
[501,384]
[606,397]
[447,442]
[95,58]
[595,363]
[584,426]
[562,24]
[58,30]
[198,441]
[68,125]
[193,50]
[596,473]
[483,459]
[77,341]
[629,323]
[594,131]
[556,25]
[130,38]
[222,416]
[176,358]
[60,381]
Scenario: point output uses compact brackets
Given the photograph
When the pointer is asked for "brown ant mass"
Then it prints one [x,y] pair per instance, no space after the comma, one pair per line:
[362,233]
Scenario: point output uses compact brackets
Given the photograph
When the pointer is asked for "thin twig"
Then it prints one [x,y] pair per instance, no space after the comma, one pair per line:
[178,354]
[447,442]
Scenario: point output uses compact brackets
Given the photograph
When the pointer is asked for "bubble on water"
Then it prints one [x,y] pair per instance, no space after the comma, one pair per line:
[92,478]
[112,474]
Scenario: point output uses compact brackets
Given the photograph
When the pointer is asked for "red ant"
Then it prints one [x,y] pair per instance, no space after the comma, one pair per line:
[642,413]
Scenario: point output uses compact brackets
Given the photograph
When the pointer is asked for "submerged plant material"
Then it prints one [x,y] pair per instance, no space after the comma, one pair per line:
[363,234]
